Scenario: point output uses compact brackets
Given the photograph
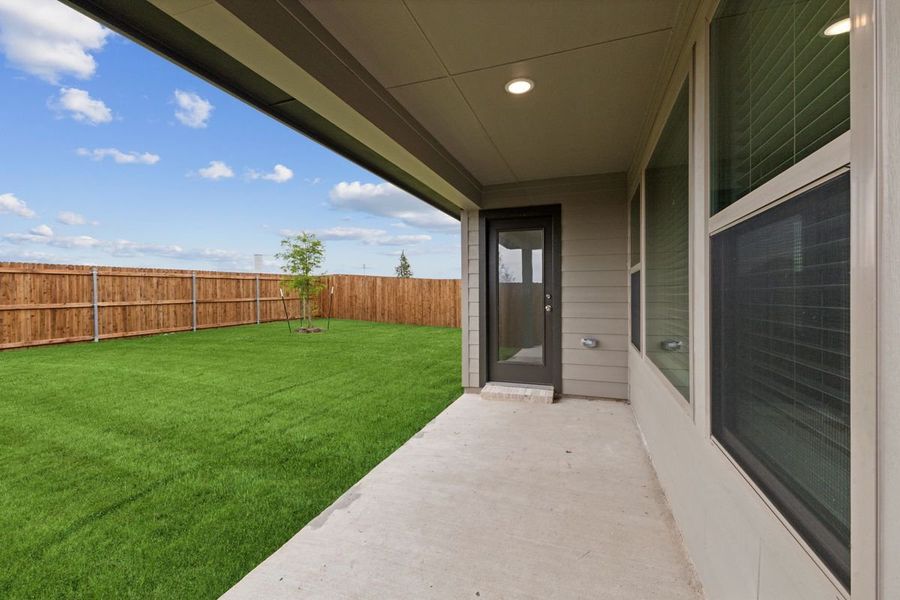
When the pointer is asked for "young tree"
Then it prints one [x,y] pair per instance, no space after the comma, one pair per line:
[403,270]
[302,255]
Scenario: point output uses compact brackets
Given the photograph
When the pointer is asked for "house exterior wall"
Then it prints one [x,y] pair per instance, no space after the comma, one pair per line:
[738,547]
[741,545]
[594,280]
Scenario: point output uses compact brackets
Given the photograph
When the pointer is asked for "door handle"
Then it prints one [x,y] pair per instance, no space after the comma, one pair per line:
[548,308]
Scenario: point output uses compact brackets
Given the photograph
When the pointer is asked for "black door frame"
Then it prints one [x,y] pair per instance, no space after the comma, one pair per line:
[553,211]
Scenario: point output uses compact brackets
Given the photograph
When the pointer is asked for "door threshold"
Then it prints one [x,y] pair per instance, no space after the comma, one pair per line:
[518,392]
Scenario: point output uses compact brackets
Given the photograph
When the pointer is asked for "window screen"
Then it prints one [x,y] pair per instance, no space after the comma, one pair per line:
[666,192]
[636,309]
[779,89]
[781,360]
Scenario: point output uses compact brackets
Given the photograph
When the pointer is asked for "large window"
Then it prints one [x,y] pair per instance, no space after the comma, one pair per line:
[666,192]
[780,88]
[635,235]
[781,359]
[780,281]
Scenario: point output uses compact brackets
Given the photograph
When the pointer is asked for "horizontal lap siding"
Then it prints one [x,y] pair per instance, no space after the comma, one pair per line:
[471,278]
[595,289]
[594,280]
[45,304]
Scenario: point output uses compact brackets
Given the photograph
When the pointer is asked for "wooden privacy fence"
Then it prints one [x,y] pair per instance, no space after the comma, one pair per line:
[48,304]
[394,300]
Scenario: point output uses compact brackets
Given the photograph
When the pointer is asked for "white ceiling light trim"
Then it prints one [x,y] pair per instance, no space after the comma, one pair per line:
[519,86]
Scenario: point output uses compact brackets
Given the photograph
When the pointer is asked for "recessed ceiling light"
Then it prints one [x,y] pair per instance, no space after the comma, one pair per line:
[519,86]
[838,28]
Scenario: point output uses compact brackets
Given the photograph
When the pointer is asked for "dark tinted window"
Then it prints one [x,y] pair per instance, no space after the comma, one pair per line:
[667,291]
[636,309]
[781,360]
[779,89]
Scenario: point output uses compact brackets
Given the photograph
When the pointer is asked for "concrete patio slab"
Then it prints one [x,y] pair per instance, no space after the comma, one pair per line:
[495,500]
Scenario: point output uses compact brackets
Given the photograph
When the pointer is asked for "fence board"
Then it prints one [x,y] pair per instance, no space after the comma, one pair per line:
[49,304]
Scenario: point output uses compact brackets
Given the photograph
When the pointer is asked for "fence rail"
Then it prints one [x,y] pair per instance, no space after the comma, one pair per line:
[48,304]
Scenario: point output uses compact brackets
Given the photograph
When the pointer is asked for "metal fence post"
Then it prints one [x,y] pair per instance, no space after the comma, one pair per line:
[95,300]
[257,298]
[194,301]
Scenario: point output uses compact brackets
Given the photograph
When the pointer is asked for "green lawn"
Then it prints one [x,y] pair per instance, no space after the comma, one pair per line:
[169,466]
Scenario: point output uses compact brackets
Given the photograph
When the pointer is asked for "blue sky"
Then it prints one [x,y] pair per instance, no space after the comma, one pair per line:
[111,155]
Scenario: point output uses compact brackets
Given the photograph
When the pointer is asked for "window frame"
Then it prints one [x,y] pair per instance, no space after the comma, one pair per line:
[832,157]
[637,196]
[749,211]
[866,95]
[857,147]
[686,76]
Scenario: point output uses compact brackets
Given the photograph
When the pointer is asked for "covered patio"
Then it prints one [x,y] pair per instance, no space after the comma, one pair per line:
[495,499]
[708,242]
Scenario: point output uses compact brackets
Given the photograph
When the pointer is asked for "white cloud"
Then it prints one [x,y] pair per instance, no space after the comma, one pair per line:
[426,250]
[81,107]
[216,170]
[371,237]
[387,200]
[129,248]
[42,230]
[122,158]
[403,240]
[48,39]
[192,110]
[68,217]
[10,204]
[313,180]
[45,236]
[16,254]
[279,174]
[76,241]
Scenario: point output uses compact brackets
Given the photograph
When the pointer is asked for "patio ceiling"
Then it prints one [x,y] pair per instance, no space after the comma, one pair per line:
[594,64]
[414,89]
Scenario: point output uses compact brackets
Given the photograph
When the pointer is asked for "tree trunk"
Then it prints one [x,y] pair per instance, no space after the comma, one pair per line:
[306,314]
